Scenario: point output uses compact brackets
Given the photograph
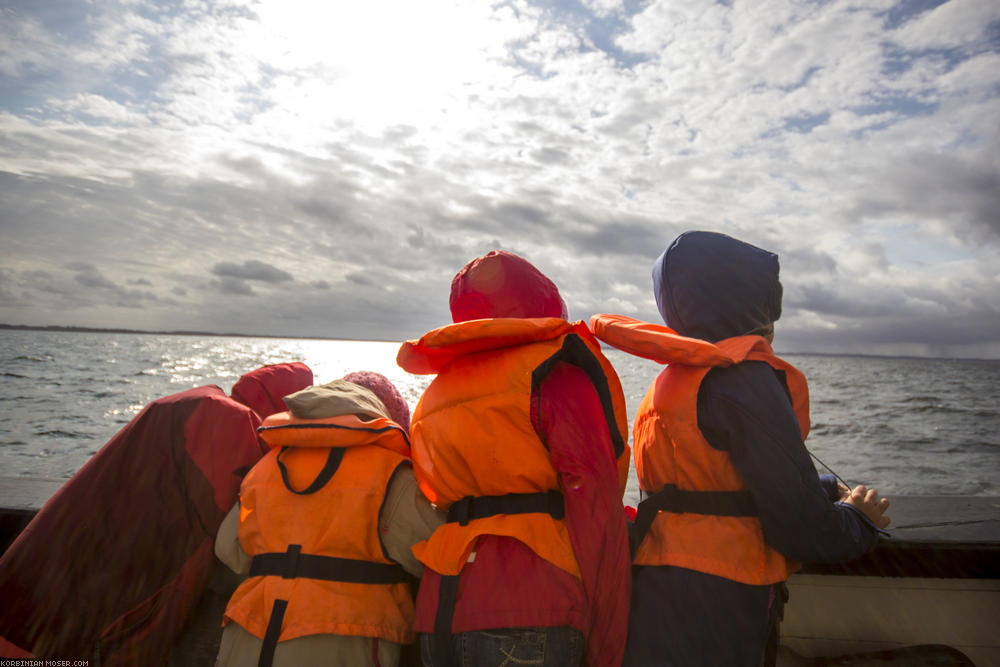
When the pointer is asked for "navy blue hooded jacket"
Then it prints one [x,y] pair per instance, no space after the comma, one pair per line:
[711,286]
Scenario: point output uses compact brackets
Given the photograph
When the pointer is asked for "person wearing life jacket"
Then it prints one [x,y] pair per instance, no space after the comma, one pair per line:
[521,437]
[324,528]
[117,566]
[733,500]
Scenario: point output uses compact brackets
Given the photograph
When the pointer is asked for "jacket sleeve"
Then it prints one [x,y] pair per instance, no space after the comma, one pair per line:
[227,543]
[569,417]
[745,410]
[407,517]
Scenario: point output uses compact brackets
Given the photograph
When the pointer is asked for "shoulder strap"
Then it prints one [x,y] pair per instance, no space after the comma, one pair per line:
[325,475]
[574,351]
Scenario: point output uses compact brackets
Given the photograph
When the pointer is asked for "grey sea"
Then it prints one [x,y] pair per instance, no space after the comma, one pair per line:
[904,425]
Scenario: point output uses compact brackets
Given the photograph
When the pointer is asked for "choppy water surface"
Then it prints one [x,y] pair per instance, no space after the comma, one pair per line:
[906,426]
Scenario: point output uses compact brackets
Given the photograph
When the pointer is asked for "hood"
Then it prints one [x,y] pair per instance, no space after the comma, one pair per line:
[501,284]
[712,286]
[386,392]
[262,390]
[333,399]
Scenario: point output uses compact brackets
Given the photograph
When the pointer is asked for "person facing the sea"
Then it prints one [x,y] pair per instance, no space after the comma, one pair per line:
[522,438]
[324,527]
[734,499]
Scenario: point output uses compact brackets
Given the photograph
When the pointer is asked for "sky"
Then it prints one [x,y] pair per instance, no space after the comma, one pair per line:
[323,169]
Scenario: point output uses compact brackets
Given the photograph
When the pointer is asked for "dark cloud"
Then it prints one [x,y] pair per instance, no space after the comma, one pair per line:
[964,192]
[826,300]
[551,156]
[360,279]
[94,280]
[937,334]
[252,269]
[326,210]
[635,238]
[517,214]
[81,292]
[83,267]
[234,286]
[805,260]
[89,276]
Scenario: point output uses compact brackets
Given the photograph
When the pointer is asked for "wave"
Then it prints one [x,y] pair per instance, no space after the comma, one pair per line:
[921,398]
[952,410]
[59,433]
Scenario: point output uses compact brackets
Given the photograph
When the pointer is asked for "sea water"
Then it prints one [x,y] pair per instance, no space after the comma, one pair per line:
[903,425]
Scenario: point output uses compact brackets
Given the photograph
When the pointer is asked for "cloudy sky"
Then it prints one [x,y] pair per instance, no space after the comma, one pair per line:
[307,168]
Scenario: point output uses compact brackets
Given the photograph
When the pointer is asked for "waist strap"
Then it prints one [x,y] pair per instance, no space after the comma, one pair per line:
[679,501]
[481,507]
[293,564]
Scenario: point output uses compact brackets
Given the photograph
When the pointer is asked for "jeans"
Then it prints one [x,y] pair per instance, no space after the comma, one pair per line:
[548,647]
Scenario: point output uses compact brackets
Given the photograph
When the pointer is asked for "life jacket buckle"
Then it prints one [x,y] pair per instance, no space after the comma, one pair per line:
[292,561]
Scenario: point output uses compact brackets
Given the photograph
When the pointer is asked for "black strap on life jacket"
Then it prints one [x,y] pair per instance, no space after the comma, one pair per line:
[324,476]
[679,501]
[575,352]
[272,633]
[481,507]
[294,564]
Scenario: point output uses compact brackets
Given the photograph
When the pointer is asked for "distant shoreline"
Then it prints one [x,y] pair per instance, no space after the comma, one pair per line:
[73,329]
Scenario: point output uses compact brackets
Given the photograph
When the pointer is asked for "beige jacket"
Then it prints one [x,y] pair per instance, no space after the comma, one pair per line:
[407,518]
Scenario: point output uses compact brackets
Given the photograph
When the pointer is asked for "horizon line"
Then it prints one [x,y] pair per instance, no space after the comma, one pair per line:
[233,334]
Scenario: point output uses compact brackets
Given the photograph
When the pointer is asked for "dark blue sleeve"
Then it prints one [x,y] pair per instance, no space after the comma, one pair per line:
[745,410]
[829,484]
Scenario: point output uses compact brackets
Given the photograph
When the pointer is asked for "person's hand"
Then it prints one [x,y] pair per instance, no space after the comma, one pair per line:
[867,501]
[843,492]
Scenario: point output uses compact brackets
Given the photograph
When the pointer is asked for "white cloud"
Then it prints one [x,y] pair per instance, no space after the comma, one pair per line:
[953,24]
[25,44]
[98,108]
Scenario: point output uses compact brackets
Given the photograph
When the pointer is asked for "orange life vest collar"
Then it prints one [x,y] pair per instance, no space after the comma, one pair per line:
[664,345]
[439,347]
[284,430]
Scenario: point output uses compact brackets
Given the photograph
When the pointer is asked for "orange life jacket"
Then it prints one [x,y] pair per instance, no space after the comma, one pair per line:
[473,439]
[672,456]
[314,536]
